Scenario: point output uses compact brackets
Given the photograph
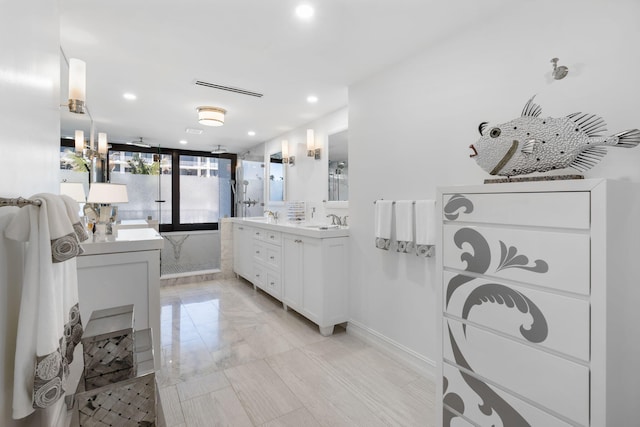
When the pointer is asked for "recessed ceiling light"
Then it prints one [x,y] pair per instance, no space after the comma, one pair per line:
[193,131]
[130,96]
[251,133]
[304,11]
[183,141]
[312,99]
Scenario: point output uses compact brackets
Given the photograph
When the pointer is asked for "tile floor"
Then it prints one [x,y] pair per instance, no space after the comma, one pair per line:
[231,356]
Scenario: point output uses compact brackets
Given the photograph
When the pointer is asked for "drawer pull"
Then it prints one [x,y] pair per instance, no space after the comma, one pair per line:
[272,237]
[240,228]
[298,241]
[272,257]
[272,283]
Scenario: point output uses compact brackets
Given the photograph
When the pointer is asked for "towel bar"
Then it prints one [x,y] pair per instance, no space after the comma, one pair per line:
[19,202]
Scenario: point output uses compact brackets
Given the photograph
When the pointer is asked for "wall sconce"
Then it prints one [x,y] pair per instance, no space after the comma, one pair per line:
[102,143]
[312,151]
[102,195]
[211,116]
[77,85]
[290,160]
[79,139]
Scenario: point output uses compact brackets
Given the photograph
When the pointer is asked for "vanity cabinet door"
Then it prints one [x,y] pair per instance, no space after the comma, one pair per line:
[242,250]
[292,280]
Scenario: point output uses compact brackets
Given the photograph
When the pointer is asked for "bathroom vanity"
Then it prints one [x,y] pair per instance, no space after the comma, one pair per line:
[303,266]
[539,304]
[123,269]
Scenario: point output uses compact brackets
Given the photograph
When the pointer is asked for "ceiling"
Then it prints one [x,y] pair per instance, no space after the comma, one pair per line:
[158,49]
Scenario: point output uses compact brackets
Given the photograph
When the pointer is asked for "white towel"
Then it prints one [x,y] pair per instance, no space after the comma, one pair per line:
[49,324]
[404,225]
[383,214]
[425,226]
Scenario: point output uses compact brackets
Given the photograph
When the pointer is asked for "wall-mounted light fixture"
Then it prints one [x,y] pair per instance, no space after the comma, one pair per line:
[102,143]
[312,151]
[79,142]
[286,158]
[77,85]
[211,116]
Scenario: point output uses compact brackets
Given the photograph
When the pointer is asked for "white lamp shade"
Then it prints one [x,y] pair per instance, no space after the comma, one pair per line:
[311,142]
[211,116]
[102,143]
[107,193]
[77,79]
[75,190]
[285,149]
[79,141]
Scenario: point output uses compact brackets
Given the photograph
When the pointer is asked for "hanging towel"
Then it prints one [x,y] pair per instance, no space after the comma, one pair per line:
[425,226]
[383,210]
[49,325]
[404,225]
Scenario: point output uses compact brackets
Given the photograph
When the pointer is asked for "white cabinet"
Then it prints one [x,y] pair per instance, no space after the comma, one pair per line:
[314,278]
[539,304]
[305,269]
[242,250]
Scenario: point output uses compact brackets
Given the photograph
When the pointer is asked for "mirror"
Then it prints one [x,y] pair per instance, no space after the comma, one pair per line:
[276,178]
[338,166]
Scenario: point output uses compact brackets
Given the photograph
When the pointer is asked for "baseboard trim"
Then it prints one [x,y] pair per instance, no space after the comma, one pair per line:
[398,352]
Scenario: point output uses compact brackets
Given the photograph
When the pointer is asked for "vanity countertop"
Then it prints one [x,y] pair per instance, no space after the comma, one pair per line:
[124,240]
[320,231]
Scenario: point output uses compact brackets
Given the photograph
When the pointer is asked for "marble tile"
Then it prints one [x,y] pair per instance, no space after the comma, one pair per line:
[220,408]
[171,406]
[262,392]
[202,385]
[232,356]
[298,418]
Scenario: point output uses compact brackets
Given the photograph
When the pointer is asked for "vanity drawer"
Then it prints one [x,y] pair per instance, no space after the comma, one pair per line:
[460,396]
[273,284]
[551,209]
[551,259]
[259,234]
[274,237]
[259,251]
[555,383]
[272,256]
[556,322]
[259,275]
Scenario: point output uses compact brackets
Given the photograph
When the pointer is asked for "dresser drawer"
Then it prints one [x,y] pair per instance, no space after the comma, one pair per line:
[557,209]
[552,381]
[467,393]
[556,322]
[546,258]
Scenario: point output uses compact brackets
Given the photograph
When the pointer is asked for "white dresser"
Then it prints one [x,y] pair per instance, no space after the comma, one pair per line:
[540,304]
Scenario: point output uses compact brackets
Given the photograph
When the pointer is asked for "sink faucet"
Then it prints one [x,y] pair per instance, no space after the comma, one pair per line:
[272,214]
[335,219]
[344,220]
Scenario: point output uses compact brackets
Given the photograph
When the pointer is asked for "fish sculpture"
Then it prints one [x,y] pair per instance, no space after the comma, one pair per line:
[533,144]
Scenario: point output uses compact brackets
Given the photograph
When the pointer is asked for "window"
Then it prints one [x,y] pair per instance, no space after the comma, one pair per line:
[195,198]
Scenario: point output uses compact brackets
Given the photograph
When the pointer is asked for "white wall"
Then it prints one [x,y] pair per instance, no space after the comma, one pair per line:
[410,127]
[29,146]
[307,180]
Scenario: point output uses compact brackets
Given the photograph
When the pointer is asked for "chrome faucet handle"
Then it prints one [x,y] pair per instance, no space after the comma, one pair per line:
[334,218]
[344,220]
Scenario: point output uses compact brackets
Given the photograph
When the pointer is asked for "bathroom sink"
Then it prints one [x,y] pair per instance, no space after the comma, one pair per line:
[321,227]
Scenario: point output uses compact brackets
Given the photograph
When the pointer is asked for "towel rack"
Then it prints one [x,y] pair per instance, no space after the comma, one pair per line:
[393,203]
[19,202]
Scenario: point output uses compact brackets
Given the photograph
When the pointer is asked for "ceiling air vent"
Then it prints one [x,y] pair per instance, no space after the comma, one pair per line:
[229,89]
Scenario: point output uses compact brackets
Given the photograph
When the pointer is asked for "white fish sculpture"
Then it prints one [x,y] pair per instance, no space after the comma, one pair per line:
[533,144]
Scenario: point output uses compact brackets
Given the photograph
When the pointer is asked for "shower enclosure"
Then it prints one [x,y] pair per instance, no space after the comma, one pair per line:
[249,188]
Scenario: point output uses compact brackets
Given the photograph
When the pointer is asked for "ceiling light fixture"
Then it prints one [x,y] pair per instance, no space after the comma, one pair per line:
[220,149]
[193,131]
[130,96]
[312,99]
[251,133]
[77,85]
[211,116]
[183,141]
[304,11]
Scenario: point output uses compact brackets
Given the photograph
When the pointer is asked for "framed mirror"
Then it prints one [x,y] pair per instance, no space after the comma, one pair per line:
[277,178]
[338,186]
